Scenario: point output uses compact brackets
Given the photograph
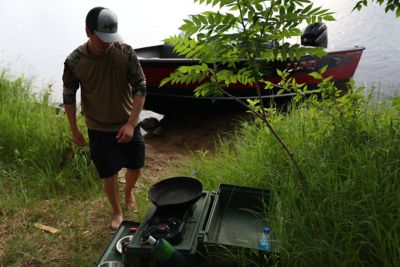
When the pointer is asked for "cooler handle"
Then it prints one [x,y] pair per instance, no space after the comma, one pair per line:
[209,221]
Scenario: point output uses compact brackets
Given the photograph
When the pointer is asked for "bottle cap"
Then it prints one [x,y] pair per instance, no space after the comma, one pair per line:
[151,240]
[266,230]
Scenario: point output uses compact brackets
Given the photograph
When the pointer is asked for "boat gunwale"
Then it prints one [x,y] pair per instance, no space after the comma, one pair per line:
[189,60]
[224,98]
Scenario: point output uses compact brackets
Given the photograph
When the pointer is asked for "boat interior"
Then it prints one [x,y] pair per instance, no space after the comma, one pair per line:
[157,51]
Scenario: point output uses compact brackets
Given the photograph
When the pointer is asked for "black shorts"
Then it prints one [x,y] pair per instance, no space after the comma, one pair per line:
[109,156]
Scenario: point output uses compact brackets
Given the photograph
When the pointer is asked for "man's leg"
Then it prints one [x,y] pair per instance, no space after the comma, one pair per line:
[131,177]
[111,189]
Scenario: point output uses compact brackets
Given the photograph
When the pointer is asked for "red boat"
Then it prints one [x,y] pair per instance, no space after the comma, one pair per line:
[159,61]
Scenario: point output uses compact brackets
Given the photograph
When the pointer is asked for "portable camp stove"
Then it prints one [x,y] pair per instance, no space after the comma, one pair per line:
[179,226]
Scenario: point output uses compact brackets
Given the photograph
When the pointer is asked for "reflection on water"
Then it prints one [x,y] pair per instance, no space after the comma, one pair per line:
[37,40]
[374,29]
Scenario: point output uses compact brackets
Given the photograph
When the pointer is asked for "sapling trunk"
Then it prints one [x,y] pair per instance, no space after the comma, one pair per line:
[289,152]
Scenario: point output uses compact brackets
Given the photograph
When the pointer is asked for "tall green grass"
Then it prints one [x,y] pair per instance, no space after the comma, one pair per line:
[43,178]
[351,157]
[349,153]
[37,158]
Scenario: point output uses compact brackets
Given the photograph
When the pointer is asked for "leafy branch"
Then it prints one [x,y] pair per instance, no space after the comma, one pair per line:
[236,44]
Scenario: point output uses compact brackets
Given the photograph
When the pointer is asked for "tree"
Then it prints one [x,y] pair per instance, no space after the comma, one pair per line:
[390,5]
[234,43]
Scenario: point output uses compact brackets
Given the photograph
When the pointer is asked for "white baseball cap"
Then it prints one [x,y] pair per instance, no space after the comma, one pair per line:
[104,23]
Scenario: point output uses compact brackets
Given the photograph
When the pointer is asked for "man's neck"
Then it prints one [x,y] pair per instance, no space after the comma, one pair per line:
[92,49]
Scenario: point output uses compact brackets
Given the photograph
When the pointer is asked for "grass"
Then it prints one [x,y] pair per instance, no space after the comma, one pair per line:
[348,151]
[45,179]
[351,160]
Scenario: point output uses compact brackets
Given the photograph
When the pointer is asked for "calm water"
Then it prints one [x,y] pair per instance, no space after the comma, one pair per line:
[36,36]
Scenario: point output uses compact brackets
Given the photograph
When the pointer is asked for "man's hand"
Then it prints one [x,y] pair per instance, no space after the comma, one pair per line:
[78,138]
[125,134]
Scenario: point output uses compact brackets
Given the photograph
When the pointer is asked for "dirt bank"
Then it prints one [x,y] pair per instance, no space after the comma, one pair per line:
[176,138]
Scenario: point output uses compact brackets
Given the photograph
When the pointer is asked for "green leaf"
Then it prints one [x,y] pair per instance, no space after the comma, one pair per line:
[307,9]
[259,7]
[210,19]
[323,69]
[316,75]
[225,2]
[329,18]
[165,81]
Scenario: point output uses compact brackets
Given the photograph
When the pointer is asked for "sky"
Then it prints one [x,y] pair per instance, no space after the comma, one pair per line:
[37,35]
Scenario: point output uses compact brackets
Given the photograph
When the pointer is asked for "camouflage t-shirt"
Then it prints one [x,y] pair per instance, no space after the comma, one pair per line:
[108,84]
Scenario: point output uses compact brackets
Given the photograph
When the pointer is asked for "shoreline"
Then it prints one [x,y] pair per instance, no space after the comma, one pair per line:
[180,137]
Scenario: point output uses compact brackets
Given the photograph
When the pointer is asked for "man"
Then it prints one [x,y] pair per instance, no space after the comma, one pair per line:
[113,91]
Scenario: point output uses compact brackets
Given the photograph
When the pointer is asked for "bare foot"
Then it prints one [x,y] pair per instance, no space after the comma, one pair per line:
[116,220]
[130,201]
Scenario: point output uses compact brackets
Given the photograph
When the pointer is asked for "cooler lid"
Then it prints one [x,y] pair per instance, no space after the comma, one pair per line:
[237,216]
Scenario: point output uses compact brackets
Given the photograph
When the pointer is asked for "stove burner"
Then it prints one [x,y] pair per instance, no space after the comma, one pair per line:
[166,225]
[163,227]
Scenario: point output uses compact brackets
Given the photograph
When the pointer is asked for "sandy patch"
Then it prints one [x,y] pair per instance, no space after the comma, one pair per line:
[176,138]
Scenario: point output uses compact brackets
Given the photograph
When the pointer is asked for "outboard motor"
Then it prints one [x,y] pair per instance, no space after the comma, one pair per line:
[315,35]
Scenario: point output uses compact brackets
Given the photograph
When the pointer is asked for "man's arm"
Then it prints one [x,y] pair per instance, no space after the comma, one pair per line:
[71,85]
[137,81]
[77,137]
[125,134]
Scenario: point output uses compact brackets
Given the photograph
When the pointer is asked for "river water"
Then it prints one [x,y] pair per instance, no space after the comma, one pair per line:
[37,35]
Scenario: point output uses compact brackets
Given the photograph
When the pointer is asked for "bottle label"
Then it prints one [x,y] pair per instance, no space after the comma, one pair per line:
[163,250]
[264,243]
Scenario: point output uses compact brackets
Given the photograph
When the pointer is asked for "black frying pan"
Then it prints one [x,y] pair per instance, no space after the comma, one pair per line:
[175,191]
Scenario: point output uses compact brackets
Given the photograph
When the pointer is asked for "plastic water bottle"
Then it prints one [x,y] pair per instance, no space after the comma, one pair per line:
[165,253]
[264,240]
